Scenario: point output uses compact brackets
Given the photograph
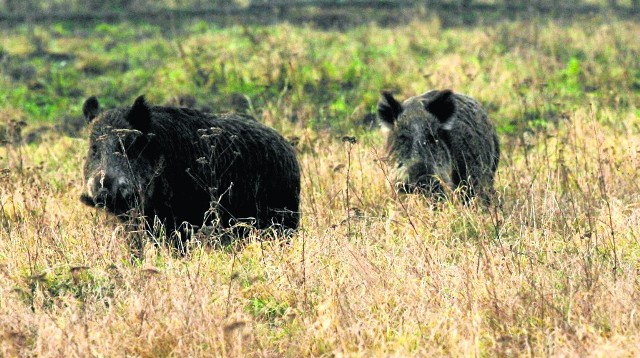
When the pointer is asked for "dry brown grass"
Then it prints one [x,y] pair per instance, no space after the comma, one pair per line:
[551,272]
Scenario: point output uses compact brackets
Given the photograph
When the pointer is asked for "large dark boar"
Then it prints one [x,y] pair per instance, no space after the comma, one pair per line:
[441,141]
[181,165]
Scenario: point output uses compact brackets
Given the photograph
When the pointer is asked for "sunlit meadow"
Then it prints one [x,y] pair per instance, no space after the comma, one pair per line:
[550,268]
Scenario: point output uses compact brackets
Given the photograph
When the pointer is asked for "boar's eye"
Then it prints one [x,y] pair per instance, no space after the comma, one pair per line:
[93,150]
[135,148]
[403,138]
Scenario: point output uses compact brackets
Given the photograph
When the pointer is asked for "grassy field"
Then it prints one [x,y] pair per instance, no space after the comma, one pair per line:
[552,270]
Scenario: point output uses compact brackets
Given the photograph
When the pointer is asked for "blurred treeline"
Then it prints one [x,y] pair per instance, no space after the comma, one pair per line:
[25,6]
[15,8]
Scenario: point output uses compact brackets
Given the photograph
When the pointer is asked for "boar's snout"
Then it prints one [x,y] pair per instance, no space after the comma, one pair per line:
[114,193]
[421,178]
[425,185]
[103,196]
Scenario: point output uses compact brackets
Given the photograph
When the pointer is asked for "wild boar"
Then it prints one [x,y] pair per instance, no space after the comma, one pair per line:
[441,142]
[185,166]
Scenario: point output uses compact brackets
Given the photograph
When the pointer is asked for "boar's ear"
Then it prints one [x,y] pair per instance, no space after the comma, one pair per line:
[442,107]
[388,109]
[139,115]
[91,108]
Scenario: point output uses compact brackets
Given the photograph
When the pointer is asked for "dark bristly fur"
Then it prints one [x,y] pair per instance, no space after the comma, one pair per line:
[388,107]
[178,163]
[441,140]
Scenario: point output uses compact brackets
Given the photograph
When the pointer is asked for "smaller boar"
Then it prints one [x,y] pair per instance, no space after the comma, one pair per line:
[182,165]
[441,141]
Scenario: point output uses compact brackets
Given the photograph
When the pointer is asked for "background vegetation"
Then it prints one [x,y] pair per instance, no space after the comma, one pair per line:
[25,6]
[552,270]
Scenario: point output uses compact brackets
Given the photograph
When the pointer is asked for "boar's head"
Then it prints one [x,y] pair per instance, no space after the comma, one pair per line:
[419,140]
[124,159]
